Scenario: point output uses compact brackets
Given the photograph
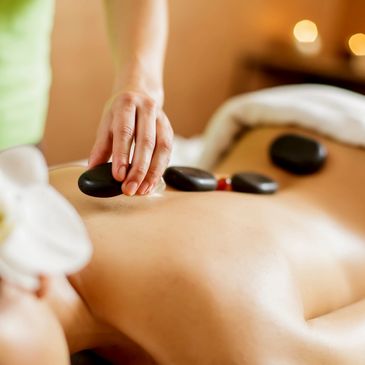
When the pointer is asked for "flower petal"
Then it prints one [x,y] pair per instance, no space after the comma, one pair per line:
[16,276]
[49,237]
[23,166]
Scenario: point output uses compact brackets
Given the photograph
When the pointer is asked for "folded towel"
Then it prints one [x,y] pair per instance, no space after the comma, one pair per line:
[331,111]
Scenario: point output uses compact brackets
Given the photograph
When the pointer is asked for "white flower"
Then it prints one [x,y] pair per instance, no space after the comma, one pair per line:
[40,232]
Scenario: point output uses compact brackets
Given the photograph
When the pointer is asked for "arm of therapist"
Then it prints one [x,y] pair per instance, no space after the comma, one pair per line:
[138,32]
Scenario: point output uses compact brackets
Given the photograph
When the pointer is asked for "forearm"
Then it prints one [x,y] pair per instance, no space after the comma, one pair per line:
[138,33]
[134,113]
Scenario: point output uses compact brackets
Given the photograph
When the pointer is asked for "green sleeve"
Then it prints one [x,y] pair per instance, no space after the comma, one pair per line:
[25,30]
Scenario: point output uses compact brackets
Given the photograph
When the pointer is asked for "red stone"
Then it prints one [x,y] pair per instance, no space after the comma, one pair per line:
[224,184]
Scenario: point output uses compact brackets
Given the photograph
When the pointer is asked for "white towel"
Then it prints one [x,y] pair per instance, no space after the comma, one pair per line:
[331,111]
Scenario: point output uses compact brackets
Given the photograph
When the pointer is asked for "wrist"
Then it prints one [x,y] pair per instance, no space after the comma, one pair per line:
[137,80]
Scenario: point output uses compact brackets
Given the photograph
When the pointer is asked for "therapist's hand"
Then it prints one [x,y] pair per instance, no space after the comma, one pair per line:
[134,116]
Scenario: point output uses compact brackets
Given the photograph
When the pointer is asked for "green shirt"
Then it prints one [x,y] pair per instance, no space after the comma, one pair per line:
[25,29]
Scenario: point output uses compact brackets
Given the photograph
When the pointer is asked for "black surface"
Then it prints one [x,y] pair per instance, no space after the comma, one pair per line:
[249,182]
[88,357]
[189,179]
[99,182]
[298,154]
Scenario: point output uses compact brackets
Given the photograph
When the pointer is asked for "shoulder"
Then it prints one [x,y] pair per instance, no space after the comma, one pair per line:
[26,326]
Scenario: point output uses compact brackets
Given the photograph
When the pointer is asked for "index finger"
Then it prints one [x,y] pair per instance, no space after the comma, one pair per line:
[145,144]
[123,133]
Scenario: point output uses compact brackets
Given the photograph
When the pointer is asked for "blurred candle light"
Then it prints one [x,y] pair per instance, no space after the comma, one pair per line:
[306,37]
[357,47]
[357,44]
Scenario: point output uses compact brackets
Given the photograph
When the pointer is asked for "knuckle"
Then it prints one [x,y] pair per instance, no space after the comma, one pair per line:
[125,132]
[149,104]
[165,145]
[140,170]
[123,157]
[148,142]
[128,98]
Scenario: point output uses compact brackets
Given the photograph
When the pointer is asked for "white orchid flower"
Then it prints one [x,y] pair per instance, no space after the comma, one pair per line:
[40,232]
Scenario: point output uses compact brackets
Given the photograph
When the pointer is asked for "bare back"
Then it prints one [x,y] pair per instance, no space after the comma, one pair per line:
[152,251]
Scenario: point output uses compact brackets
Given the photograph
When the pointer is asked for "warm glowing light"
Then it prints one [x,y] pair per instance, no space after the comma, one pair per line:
[305,31]
[306,38]
[357,44]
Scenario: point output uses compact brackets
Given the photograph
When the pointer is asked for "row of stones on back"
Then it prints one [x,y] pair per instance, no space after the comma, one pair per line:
[292,152]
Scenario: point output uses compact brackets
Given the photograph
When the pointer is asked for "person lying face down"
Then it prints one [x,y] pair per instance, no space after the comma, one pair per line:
[209,278]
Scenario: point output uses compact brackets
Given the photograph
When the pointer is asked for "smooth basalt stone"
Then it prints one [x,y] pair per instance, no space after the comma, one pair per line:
[99,182]
[249,182]
[298,154]
[189,179]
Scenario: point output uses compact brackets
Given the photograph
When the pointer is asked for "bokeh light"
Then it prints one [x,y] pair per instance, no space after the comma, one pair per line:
[305,31]
[357,44]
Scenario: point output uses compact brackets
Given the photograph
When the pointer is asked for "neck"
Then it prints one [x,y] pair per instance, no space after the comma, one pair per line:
[82,330]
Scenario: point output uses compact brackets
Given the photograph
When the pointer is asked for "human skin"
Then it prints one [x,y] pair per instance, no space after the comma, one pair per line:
[222,277]
[138,32]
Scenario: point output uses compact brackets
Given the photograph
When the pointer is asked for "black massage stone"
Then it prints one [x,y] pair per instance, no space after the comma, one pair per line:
[298,154]
[99,182]
[252,183]
[189,179]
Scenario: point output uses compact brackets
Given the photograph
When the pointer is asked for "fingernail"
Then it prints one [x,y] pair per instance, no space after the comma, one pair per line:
[143,188]
[131,188]
[122,172]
